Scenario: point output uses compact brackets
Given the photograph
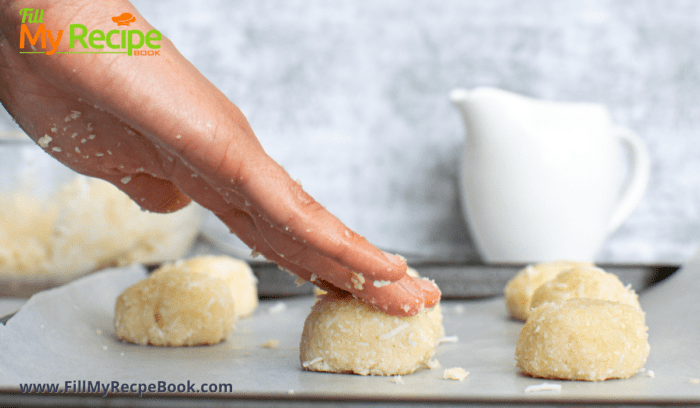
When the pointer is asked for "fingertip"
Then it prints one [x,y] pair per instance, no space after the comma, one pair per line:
[395,269]
[431,292]
[395,259]
[406,297]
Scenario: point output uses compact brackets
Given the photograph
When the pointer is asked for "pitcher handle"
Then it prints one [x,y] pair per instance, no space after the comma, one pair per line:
[638,177]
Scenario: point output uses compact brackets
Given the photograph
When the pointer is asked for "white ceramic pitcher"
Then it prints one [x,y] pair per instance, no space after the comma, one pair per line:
[543,181]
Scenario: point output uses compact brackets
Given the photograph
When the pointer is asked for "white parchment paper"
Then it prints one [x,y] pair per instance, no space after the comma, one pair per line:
[66,334]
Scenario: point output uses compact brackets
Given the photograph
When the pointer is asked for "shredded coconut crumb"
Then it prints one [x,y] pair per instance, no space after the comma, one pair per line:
[381,283]
[433,364]
[98,332]
[694,381]
[448,339]
[298,282]
[277,308]
[396,379]
[44,141]
[311,362]
[125,180]
[271,344]
[649,373]
[73,115]
[456,373]
[544,387]
[357,280]
[394,331]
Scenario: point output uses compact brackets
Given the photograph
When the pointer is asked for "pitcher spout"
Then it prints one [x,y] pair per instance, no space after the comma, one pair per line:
[459,96]
[467,105]
[498,114]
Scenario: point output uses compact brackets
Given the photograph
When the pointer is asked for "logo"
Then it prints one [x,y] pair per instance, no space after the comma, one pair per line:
[84,41]
[125,19]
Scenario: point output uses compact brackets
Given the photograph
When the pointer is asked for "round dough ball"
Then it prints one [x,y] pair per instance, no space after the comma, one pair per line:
[518,292]
[174,307]
[345,335]
[236,273]
[583,339]
[584,282]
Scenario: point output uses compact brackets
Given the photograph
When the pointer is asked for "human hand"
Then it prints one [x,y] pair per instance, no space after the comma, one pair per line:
[157,129]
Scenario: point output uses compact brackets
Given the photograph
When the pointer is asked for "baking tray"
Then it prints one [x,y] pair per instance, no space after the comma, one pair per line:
[273,377]
[459,280]
[455,279]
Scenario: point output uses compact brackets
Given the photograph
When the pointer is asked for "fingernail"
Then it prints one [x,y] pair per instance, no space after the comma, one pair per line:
[395,259]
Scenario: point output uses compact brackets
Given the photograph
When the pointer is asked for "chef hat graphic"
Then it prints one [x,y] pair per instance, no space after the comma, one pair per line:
[124,19]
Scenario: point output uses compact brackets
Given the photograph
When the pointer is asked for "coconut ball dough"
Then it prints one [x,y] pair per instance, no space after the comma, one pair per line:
[519,290]
[584,282]
[583,339]
[188,302]
[345,335]
[236,273]
[174,307]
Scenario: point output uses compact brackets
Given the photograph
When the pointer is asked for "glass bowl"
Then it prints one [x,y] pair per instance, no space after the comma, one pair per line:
[56,225]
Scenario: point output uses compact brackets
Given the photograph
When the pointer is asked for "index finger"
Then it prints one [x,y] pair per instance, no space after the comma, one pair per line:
[296,213]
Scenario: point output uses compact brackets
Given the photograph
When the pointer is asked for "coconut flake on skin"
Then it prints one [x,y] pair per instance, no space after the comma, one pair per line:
[357,280]
[44,141]
[380,283]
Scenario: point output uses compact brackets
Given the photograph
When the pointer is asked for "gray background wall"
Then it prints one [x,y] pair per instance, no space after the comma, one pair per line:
[351,96]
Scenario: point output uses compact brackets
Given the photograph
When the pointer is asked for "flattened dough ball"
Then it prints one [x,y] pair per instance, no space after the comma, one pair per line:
[345,335]
[584,282]
[236,273]
[175,307]
[519,290]
[583,339]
